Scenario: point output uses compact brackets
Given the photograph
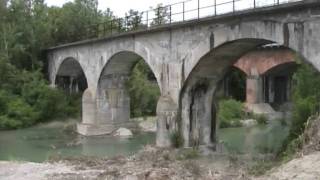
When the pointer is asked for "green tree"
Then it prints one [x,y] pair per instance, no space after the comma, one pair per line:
[162,15]
[76,19]
[144,91]
[306,98]
[27,27]
[133,20]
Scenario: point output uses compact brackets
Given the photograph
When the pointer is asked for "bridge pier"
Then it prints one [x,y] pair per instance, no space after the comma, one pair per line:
[254,89]
[167,112]
[109,110]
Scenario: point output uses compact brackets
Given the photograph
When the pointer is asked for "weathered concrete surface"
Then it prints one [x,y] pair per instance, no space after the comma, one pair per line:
[190,59]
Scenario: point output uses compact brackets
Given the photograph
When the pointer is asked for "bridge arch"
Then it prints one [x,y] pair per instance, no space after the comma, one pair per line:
[70,76]
[264,59]
[197,104]
[112,95]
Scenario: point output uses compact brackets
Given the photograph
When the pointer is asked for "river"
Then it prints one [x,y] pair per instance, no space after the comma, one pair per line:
[38,143]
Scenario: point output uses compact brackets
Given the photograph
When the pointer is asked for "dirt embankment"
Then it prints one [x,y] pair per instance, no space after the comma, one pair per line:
[306,164]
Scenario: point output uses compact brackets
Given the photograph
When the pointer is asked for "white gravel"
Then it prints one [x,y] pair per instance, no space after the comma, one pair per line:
[41,171]
[304,168]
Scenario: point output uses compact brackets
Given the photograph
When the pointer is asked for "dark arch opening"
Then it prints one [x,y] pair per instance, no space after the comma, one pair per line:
[127,88]
[277,85]
[233,85]
[70,77]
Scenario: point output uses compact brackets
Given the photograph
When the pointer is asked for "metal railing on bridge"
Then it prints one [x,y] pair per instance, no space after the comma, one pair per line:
[170,14]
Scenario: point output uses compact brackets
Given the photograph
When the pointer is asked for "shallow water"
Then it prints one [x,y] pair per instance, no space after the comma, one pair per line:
[260,139]
[37,144]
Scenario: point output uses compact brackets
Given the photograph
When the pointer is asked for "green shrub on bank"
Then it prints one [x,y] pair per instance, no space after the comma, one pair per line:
[260,118]
[188,153]
[230,113]
[27,28]
[306,98]
[176,139]
[144,91]
[31,100]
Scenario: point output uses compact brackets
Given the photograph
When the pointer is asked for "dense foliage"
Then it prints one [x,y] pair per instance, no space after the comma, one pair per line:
[26,98]
[230,113]
[144,91]
[27,27]
[306,98]
[237,84]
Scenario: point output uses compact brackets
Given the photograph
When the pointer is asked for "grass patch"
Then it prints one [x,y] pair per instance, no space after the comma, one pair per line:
[230,113]
[191,153]
[176,139]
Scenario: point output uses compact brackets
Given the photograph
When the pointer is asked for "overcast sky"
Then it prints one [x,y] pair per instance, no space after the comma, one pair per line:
[120,7]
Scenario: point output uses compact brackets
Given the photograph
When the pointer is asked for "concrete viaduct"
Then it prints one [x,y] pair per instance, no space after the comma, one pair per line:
[188,59]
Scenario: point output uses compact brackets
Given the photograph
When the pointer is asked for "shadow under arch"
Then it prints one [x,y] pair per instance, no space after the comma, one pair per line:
[279,67]
[277,82]
[123,62]
[112,96]
[233,85]
[70,76]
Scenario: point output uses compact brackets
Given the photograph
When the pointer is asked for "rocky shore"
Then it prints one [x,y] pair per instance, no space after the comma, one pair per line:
[156,164]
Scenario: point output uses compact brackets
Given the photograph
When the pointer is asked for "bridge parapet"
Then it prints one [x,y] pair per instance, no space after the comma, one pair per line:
[174,14]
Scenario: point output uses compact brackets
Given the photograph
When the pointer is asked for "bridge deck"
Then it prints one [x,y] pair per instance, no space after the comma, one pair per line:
[216,18]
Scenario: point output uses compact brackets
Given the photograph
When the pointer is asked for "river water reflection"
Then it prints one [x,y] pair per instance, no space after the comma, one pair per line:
[37,144]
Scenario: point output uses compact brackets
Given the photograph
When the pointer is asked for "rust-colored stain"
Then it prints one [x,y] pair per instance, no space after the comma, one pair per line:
[261,61]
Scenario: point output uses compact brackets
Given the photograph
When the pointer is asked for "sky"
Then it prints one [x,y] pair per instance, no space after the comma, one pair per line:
[120,7]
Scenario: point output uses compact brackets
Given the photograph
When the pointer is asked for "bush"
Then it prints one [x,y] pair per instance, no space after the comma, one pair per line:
[144,91]
[176,139]
[230,113]
[306,98]
[261,119]
[189,153]
[15,112]
[31,100]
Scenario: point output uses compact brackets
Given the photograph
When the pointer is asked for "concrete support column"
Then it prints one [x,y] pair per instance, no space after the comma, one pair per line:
[166,120]
[113,100]
[254,89]
[88,108]
[111,107]
[89,125]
